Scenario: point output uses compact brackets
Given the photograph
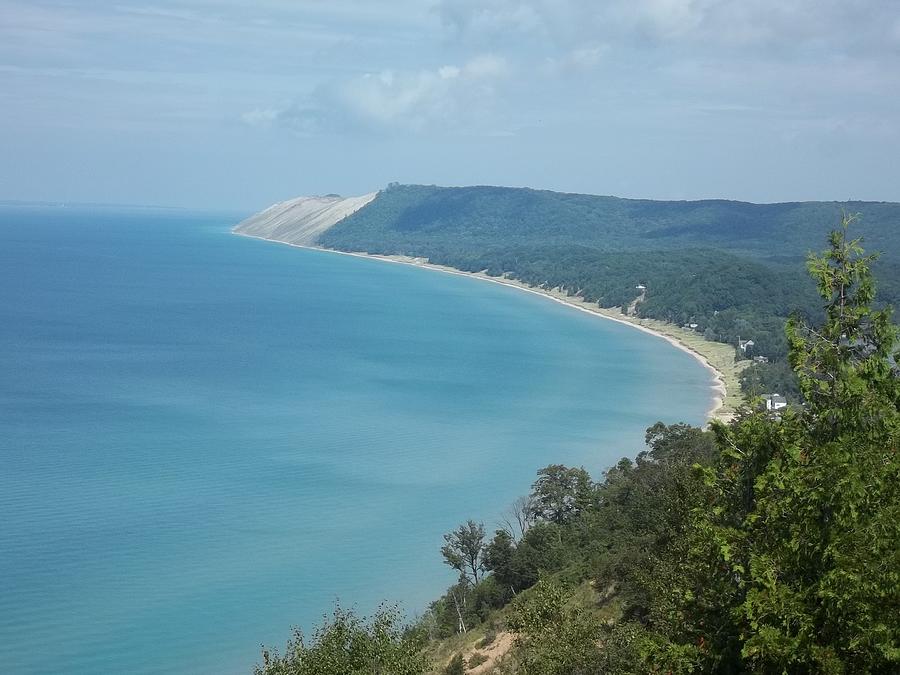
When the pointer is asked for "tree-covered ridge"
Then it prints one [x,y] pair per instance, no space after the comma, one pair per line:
[411,214]
[730,269]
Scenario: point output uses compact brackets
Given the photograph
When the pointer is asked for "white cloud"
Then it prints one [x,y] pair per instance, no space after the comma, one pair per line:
[259,117]
[485,67]
[598,89]
[449,98]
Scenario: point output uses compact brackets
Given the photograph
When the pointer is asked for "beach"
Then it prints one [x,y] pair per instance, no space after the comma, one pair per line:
[716,357]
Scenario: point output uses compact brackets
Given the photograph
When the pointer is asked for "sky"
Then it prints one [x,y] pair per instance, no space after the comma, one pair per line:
[236,104]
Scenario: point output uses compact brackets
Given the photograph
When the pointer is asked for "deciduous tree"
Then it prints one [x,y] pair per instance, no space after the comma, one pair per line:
[349,645]
[560,493]
[463,550]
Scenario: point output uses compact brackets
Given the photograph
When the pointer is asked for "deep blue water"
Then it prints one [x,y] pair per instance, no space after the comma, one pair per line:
[205,439]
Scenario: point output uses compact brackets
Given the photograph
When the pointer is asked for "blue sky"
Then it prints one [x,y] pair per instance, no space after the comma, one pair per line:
[238,104]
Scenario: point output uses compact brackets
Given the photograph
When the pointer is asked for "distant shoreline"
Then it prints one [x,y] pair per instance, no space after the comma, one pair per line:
[712,357]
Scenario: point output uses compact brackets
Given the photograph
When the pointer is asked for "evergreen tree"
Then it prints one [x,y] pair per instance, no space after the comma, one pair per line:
[805,523]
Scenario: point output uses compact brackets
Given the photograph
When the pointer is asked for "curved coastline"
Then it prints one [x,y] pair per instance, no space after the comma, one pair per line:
[718,410]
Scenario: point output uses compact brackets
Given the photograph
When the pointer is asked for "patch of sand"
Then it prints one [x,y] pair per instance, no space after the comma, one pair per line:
[302,220]
[494,653]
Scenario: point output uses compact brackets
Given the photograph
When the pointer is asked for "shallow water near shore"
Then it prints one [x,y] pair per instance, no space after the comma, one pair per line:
[205,439]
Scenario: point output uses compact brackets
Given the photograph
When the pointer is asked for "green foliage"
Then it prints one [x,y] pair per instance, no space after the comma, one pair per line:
[624,646]
[498,558]
[484,215]
[517,566]
[823,585]
[644,512]
[349,645]
[805,516]
[771,378]
[561,493]
[555,638]
[473,603]
[464,548]
[845,361]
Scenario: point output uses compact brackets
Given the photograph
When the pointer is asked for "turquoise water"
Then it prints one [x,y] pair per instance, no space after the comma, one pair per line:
[205,439]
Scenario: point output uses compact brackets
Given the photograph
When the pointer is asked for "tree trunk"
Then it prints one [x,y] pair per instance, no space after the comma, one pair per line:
[462,624]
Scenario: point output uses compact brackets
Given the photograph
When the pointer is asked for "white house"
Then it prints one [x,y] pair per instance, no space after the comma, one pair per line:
[775,402]
[744,345]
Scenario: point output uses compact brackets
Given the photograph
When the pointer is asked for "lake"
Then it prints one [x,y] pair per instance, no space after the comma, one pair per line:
[205,439]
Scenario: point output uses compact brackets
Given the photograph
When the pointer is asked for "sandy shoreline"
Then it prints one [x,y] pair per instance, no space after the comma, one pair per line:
[718,409]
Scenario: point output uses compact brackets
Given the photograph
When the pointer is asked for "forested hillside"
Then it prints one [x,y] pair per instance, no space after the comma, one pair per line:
[415,214]
[732,268]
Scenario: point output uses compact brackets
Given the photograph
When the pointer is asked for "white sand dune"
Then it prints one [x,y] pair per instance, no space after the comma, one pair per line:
[301,220]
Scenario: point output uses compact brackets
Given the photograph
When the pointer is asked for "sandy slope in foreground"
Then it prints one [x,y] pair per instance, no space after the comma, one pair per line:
[718,358]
